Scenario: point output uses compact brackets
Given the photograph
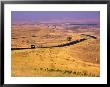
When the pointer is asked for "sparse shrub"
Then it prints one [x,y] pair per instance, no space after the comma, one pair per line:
[34,68]
[59,70]
[41,68]
[74,72]
[78,73]
[23,37]
[69,38]
[67,71]
[14,38]
[50,70]
[33,36]
[85,73]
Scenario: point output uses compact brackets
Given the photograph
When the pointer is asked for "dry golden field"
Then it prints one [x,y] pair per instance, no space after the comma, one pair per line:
[77,60]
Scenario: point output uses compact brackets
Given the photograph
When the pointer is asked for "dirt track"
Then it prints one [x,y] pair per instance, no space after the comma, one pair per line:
[61,45]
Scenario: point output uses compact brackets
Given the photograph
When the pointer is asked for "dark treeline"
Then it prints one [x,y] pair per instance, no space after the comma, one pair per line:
[61,45]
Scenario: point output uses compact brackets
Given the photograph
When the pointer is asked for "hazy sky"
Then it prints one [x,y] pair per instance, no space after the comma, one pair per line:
[55,16]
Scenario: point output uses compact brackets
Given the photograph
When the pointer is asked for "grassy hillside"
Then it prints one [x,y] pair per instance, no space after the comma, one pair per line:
[81,59]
